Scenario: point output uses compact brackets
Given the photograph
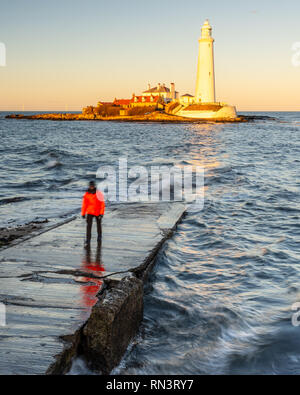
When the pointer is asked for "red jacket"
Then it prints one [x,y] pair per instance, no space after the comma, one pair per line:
[93,204]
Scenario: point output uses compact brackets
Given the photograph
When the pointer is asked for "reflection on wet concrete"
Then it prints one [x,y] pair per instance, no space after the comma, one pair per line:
[92,286]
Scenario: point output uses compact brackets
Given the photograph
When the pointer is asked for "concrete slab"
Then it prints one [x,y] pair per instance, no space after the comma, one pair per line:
[49,283]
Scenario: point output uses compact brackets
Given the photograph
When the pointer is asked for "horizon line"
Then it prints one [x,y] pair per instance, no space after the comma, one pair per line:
[68,111]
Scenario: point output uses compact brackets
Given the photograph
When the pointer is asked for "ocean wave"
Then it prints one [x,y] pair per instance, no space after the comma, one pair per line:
[53,164]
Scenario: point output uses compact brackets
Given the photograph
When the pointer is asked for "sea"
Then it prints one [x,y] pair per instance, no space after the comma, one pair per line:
[224,295]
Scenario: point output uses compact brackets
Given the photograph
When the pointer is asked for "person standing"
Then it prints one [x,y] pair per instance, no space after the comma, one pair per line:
[93,207]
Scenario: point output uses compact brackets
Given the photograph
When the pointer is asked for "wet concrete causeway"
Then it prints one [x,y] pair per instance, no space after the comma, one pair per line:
[49,284]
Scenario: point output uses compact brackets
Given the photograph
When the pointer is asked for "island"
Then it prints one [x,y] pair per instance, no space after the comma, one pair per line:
[161,103]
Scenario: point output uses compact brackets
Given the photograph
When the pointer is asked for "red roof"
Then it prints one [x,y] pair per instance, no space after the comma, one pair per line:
[145,99]
[122,102]
[137,99]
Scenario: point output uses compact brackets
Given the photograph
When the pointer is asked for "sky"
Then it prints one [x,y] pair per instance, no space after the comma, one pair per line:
[67,54]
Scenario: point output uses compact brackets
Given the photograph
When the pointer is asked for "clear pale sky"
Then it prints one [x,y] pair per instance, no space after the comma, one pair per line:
[74,53]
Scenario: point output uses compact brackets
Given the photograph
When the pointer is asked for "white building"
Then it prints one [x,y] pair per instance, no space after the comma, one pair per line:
[168,94]
[187,99]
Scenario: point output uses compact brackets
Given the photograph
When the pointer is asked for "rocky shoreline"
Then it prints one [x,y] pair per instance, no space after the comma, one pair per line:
[152,117]
[10,234]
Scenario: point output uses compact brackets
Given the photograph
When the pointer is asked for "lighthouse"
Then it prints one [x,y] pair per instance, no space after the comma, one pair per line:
[204,105]
[205,87]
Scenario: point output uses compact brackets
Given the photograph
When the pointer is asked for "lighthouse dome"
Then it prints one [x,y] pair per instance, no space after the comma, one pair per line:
[206,30]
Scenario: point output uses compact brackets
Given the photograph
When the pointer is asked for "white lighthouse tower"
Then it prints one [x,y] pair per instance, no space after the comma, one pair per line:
[204,105]
[205,87]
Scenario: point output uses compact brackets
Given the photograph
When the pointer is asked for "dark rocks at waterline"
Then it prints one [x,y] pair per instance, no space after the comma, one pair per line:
[7,235]
[156,117]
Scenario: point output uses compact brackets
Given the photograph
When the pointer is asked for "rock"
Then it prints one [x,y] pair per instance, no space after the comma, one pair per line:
[113,323]
[157,116]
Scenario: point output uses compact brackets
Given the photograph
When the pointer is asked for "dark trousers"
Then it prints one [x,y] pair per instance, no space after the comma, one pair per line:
[89,224]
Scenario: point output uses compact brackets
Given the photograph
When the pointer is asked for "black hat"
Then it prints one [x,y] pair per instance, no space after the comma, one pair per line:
[92,183]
